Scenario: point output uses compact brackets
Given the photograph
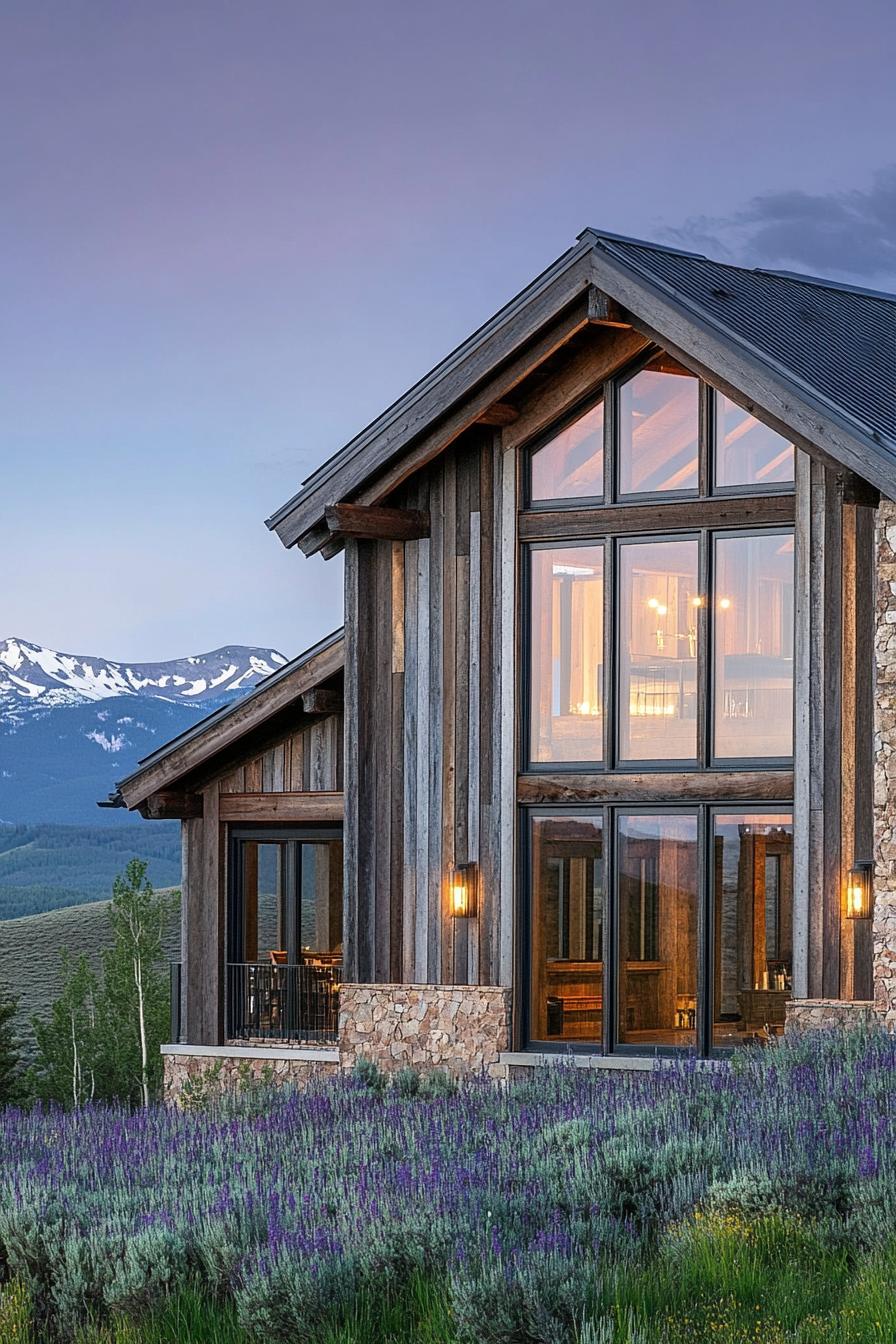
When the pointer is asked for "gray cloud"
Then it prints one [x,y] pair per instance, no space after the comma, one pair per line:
[848,235]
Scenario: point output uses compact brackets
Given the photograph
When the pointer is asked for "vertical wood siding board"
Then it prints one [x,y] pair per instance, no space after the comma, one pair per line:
[434,728]
[421,916]
[208,970]
[833,690]
[340,751]
[351,960]
[462,753]
[817,728]
[449,708]
[848,760]
[278,783]
[473,785]
[381,743]
[802,727]
[396,778]
[409,767]
[507,672]
[367,738]
[267,772]
[488,677]
[191,929]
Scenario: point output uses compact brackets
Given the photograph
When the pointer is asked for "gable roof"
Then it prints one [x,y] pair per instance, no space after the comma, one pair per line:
[817,358]
[220,731]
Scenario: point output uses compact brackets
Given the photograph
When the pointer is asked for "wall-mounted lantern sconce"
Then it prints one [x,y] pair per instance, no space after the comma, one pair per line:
[858,890]
[462,890]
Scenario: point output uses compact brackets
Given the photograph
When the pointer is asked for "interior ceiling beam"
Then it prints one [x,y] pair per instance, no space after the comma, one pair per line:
[364,521]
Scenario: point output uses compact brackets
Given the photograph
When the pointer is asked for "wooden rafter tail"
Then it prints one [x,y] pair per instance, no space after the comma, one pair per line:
[322,701]
[604,311]
[498,414]
[373,522]
[171,805]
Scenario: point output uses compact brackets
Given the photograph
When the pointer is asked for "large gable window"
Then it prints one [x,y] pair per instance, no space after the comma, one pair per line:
[657,704]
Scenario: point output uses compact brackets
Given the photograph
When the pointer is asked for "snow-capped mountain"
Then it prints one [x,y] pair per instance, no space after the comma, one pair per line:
[30,672]
[71,725]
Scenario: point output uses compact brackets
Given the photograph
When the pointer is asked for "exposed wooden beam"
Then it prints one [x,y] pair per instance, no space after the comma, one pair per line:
[552,524]
[501,413]
[322,701]
[761,786]
[600,355]
[310,807]
[376,523]
[169,804]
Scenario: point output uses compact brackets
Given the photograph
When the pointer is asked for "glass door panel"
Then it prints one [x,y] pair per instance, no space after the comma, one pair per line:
[567,940]
[320,904]
[659,608]
[657,875]
[752,925]
[263,914]
[566,669]
[753,640]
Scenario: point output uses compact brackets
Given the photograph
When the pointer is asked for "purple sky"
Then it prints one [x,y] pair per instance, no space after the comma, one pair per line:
[231,233]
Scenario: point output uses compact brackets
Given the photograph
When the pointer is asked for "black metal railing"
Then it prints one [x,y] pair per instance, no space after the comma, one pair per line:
[295,1004]
[174,974]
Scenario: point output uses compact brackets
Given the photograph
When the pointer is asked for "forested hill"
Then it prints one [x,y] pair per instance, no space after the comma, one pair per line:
[45,867]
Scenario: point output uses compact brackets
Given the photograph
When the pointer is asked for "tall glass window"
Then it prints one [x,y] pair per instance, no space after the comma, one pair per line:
[659,422]
[571,464]
[747,452]
[753,641]
[566,659]
[656,873]
[752,925]
[659,608]
[567,943]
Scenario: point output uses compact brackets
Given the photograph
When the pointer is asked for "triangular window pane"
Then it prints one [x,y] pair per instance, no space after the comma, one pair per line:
[571,464]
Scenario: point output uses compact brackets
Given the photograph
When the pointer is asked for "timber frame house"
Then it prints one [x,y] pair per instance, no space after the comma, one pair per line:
[601,761]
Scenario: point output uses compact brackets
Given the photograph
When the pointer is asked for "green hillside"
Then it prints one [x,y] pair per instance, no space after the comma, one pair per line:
[45,866]
[31,952]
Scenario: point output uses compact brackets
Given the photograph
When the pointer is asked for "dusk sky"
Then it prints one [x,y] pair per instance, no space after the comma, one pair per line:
[232,233]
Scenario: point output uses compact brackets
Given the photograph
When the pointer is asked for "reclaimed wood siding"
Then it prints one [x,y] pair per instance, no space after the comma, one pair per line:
[423,785]
[309,760]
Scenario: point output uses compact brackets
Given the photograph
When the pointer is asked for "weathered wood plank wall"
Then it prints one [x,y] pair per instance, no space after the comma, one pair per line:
[423,643]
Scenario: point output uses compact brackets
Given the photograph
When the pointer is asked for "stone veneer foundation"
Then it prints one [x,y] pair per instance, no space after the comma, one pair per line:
[225,1068]
[462,1028]
[810,1014]
[885,767]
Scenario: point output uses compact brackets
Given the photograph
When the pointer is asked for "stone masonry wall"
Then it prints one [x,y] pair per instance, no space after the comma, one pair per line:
[462,1028]
[206,1075]
[885,768]
[810,1014]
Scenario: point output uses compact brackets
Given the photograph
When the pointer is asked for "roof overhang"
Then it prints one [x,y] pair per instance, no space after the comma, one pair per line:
[592,283]
[157,787]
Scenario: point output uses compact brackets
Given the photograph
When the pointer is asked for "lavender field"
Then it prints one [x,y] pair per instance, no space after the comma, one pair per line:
[754,1202]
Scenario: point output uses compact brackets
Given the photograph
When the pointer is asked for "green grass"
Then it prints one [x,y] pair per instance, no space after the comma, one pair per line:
[31,953]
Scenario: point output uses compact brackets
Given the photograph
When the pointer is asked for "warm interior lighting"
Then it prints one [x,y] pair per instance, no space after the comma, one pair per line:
[462,890]
[697,601]
[724,603]
[858,890]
